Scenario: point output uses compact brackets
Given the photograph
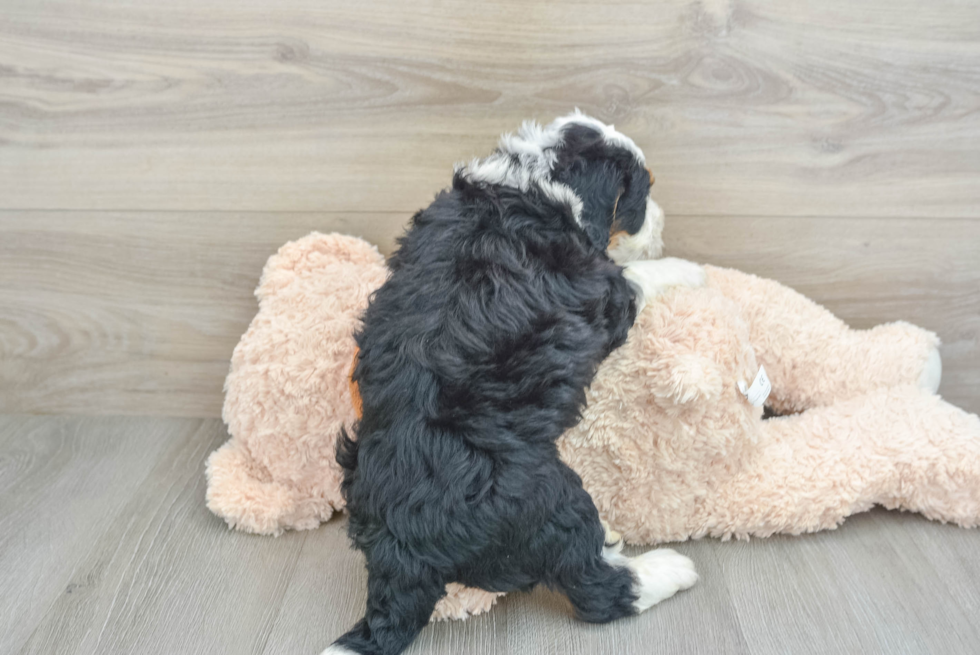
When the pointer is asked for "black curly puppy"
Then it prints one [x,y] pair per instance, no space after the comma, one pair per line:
[505,295]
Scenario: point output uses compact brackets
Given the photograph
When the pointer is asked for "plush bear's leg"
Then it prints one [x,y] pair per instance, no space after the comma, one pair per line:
[463,602]
[813,358]
[899,447]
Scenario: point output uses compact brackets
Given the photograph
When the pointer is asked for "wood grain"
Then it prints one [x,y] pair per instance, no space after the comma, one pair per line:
[121,556]
[857,589]
[137,313]
[166,576]
[62,484]
[745,107]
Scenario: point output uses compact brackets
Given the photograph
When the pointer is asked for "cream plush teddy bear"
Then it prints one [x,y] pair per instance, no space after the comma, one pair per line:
[670,446]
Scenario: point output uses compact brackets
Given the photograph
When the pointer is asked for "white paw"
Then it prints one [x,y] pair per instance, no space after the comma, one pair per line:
[652,277]
[932,373]
[660,574]
[337,650]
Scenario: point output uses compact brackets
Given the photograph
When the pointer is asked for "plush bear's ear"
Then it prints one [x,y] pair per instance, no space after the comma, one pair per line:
[684,379]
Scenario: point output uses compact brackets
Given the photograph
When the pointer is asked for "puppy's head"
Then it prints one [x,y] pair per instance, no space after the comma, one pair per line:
[587,166]
[608,173]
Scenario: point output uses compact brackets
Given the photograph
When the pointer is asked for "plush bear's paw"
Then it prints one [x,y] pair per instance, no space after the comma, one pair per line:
[653,277]
[932,373]
[462,602]
[659,575]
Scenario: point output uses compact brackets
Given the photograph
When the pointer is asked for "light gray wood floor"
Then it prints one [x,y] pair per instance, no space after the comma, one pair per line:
[106,547]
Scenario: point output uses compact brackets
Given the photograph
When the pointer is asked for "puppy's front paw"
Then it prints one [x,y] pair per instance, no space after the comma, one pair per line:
[655,276]
[659,575]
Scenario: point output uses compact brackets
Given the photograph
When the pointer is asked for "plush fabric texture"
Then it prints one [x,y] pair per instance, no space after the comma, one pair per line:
[287,394]
[668,446]
[670,450]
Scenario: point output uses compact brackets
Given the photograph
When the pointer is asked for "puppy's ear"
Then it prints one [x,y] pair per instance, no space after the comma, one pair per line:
[596,172]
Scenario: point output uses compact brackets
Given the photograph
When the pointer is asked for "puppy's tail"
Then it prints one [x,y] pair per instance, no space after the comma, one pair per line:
[347,458]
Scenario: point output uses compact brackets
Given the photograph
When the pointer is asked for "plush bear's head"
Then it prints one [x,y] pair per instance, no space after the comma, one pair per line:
[665,417]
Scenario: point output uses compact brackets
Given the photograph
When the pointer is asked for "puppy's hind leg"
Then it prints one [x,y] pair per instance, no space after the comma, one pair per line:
[606,586]
[658,574]
[401,596]
[602,583]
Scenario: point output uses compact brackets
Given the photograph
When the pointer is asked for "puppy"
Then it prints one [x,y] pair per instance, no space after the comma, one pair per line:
[505,294]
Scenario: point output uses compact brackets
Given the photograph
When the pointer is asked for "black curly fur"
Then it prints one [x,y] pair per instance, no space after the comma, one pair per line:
[474,358]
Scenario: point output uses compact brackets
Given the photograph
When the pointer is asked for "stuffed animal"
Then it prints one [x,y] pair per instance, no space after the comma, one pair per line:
[670,446]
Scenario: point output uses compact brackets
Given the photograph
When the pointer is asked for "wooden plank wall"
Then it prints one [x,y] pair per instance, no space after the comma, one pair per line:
[152,155]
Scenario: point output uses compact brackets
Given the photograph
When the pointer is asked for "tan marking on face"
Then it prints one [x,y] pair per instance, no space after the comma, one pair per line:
[650,173]
[355,393]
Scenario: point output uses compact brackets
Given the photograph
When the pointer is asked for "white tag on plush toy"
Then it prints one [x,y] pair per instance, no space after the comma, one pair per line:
[759,391]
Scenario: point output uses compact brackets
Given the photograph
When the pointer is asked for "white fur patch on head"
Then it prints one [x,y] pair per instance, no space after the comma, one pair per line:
[647,243]
[528,158]
[522,171]
[659,574]
[609,133]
